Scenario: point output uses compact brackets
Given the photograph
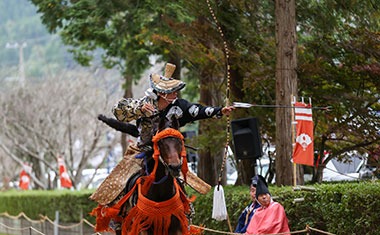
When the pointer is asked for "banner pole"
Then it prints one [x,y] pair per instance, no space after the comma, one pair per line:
[293,101]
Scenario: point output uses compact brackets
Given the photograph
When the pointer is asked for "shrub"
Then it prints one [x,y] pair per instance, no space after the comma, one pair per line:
[344,208]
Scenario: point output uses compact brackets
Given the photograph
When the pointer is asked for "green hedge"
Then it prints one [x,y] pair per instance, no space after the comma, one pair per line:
[343,208]
[70,204]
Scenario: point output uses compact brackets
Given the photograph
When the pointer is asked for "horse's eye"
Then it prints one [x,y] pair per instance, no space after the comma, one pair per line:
[170,141]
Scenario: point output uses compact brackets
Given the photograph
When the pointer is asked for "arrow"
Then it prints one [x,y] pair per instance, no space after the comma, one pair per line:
[248,105]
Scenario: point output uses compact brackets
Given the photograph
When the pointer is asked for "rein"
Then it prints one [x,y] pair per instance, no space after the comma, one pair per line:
[148,213]
[169,132]
[168,169]
[171,169]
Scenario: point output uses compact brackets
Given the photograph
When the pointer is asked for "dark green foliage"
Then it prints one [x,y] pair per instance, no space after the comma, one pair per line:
[70,204]
[337,55]
[343,208]
[20,24]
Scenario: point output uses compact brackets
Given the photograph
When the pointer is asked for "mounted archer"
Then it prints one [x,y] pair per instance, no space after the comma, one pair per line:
[160,102]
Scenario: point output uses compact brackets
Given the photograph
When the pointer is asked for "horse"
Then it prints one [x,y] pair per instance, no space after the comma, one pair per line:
[154,201]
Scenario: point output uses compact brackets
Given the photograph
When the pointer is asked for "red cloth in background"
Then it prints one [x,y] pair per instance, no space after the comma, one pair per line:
[304,147]
[63,176]
[24,180]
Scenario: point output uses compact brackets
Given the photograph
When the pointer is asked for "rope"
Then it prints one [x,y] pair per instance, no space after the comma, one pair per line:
[63,226]
[88,223]
[320,231]
[44,218]
[35,230]
[308,228]
[21,214]
[21,229]
[230,233]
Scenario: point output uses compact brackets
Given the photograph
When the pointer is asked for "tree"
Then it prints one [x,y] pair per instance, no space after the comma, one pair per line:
[329,32]
[10,173]
[58,116]
[286,87]
[339,67]
[128,33]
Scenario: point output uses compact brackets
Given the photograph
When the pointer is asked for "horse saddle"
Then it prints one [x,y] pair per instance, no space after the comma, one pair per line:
[196,183]
[115,182]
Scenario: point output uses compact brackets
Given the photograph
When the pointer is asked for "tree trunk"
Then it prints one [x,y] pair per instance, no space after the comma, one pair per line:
[286,85]
[318,170]
[127,94]
[245,167]
[207,164]
[175,59]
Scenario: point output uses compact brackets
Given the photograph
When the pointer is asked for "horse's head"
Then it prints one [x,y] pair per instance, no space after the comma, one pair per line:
[170,154]
[169,148]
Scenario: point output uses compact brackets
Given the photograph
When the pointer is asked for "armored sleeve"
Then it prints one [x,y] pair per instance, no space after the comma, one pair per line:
[194,112]
[128,109]
[120,126]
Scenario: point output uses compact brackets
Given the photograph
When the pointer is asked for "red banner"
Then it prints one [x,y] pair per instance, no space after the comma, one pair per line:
[25,177]
[63,176]
[304,147]
[24,180]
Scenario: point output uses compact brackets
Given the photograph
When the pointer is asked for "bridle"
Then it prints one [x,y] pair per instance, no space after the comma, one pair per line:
[169,169]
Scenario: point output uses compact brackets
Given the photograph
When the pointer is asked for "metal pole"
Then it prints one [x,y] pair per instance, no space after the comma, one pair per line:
[21,63]
[56,222]
[21,68]
[81,221]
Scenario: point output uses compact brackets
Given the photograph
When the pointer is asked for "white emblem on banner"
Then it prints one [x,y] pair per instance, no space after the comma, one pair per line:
[65,175]
[304,140]
[25,179]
